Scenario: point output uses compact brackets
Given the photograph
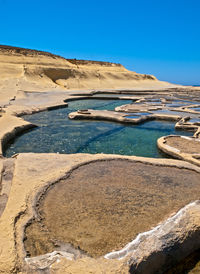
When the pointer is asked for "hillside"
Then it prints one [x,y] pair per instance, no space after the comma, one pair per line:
[32,70]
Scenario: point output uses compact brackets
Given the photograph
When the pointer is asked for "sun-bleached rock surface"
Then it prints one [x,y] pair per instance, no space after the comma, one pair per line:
[31,177]
[131,118]
[33,81]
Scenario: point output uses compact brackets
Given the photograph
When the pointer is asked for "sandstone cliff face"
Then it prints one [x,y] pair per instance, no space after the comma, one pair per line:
[24,69]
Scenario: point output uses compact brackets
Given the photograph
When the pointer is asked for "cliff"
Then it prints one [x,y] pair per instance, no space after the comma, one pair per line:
[25,69]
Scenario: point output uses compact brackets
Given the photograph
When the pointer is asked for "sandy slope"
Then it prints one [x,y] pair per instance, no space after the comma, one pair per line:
[23,69]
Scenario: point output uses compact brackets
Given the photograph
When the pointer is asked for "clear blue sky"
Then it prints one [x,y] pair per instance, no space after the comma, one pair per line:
[148,36]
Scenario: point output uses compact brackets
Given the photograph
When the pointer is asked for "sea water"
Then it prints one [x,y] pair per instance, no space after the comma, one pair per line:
[58,134]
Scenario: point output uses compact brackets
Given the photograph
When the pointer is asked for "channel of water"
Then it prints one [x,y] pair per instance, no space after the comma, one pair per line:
[58,134]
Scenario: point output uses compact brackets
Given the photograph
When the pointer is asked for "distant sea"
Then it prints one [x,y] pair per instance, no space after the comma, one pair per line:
[191,85]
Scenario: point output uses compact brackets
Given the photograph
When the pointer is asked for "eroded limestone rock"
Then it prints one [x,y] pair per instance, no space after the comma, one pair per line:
[166,245]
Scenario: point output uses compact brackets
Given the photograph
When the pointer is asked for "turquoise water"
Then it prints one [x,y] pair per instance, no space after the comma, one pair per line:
[56,133]
[196,109]
[137,115]
[194,120]
[95,104]
[132,116]
[111,95]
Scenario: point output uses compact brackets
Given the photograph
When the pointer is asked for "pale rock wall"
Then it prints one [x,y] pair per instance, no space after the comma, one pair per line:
[23,69]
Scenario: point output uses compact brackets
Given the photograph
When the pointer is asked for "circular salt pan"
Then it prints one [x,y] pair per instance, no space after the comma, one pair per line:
[103,205]
[184,144]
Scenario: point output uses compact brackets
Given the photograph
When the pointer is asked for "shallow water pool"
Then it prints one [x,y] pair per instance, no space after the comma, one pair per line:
[196,109]
[58,134]
[194,120]
[137,115]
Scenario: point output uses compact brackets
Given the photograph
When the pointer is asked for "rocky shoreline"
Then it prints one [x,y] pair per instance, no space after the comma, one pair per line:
[27,176]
